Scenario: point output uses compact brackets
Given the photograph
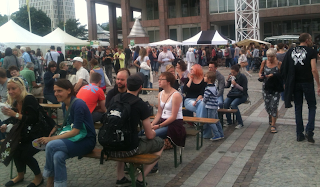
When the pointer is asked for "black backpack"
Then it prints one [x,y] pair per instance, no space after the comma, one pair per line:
[116,131]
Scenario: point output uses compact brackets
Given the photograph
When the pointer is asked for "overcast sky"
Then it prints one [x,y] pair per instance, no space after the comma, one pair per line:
[80,8]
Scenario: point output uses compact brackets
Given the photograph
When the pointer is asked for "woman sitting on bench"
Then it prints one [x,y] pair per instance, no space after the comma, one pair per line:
[194,91]
[238,93]
[79,140]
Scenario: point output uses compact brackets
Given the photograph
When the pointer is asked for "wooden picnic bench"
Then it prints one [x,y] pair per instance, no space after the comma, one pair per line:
[150,89]
[136,161]
[51,107]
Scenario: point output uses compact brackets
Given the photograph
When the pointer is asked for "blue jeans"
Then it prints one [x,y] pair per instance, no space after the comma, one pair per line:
[220,101]
[199,109]
[249,66]
[56,155]
[162,132]
[216,129]
[306,89]
[233,103]
[235,60]
[228,62]
[51,98]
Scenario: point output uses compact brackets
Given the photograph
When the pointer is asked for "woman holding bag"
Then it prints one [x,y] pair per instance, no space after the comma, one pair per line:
[243,62]
[77,136]
[26,111]
[237,95]
[145,67]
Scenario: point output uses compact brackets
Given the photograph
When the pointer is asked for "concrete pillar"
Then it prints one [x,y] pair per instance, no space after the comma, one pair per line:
[163,16]
[113,25]
[92,20]
[126,18]
[204,12]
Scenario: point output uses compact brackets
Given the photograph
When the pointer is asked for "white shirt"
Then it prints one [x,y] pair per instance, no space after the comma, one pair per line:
[162,56]
[242,58]
[82,74]
[167,107]
[55,55]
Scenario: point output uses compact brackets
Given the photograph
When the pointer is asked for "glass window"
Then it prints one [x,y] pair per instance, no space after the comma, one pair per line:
[194,31]
[296,26]
[282,3]
[293,2]
[156,35]
[223,6]
[151,36]
[271,3]
[213,6]
[173,34]
[315,24]
[306,27]
[232,32]
[171,8]
[225,30]
[184,7]
[186,33]
[156,9]
[194,7]
[262,3]
[286,26]
[267,28]
[315,1]
[304,2]
[277,28]
[152,9]
[231,6]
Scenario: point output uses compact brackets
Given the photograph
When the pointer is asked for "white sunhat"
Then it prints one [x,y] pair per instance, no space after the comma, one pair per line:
[79,59]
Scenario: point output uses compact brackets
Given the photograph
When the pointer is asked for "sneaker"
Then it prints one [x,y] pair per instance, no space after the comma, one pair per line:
[309,138]
[154,170]
[140,183]
[222,137]
[227,124]
[123,182]
[300,138]
[239,126]
[215,138]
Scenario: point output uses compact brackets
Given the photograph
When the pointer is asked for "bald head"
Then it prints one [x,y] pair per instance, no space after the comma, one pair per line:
[121,80]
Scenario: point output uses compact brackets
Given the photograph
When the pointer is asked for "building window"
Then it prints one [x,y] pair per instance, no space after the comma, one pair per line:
[262,3]
[190,8]
[315,1]
[173,34]
[282,3]
[153,36]
[190,32]
[304,2]
[213,6]
[220,6]
[152,9]
[172,8]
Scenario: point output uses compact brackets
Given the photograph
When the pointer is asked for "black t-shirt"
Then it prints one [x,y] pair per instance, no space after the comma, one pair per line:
[128,52]
[195,89]
[139,112]
[301,57]
[107,61]
[63,74]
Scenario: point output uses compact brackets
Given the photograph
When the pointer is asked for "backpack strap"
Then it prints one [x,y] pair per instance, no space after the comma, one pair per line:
[51,56]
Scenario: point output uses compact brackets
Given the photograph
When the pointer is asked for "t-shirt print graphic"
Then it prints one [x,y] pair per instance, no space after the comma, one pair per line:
[298,55]
[91,87]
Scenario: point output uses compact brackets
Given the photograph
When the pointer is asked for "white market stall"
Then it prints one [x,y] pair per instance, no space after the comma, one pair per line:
[71,43]
[166,42]
[207,38]
[13,35]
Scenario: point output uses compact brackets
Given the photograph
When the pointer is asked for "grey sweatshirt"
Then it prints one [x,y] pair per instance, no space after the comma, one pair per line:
[221,83]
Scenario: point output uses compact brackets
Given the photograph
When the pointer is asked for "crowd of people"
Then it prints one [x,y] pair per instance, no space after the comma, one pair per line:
[181,83]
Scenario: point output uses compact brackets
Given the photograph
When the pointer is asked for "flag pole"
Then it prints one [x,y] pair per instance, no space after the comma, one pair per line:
[28,9]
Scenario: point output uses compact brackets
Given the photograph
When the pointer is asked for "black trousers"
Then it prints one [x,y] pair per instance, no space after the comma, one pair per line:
[24,157]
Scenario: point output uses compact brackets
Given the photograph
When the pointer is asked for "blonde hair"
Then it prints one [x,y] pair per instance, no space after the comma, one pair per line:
[169,66]
[272,52]
[62,64]
[18,50]
[142,53]
[20,84]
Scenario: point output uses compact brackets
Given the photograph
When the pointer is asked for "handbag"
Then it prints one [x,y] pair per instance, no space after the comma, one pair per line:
[67,127]
[235,93]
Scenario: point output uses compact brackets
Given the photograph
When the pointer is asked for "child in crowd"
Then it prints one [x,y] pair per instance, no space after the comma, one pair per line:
[243,62]
[211,100]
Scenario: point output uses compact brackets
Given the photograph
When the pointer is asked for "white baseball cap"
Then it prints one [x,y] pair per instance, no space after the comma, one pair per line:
[79,59]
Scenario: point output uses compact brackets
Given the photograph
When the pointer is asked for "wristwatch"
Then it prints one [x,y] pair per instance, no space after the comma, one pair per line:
[17,115]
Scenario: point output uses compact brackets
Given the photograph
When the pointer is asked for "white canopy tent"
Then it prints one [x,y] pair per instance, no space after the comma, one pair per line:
[60,36]
[165,42]
[207,38]
[13,35]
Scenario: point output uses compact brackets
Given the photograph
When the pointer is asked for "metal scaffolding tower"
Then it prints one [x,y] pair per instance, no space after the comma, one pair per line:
[247,19]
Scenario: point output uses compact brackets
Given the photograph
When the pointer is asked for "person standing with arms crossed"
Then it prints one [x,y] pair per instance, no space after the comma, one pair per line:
[300,64]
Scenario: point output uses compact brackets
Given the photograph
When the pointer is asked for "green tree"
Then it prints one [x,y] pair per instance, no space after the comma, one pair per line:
[74,28]
[40,22]
[3,19]
[119,24]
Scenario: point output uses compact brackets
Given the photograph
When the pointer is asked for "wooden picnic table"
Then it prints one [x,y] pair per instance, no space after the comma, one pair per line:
[50,107]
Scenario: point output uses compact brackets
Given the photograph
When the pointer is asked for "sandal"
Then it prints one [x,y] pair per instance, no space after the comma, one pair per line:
[273,129]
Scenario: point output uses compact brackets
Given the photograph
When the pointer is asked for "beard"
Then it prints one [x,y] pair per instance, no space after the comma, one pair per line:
[121,86]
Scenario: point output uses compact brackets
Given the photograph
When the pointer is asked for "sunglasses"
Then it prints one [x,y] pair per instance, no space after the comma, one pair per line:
[16,79]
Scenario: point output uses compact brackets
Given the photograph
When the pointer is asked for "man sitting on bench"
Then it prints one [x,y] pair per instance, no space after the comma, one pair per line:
[144,145]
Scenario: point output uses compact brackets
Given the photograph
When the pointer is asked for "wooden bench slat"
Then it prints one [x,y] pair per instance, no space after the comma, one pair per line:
[50,105]
[197,120]
[150,89]
[137,159]
[227,110]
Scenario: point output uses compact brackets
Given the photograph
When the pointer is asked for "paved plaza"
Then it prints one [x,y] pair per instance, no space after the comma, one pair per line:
[250,156]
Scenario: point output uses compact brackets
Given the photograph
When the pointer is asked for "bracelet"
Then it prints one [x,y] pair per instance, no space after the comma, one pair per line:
[159,126]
